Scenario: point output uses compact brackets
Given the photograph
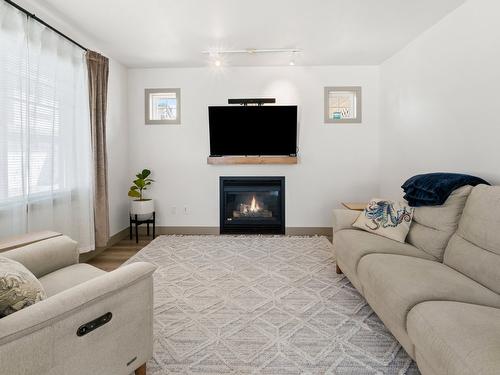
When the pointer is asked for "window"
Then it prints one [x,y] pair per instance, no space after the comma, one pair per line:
[45,145]
[343,104]
[163,106]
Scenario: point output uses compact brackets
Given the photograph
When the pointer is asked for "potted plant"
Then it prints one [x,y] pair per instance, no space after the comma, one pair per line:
[142,207]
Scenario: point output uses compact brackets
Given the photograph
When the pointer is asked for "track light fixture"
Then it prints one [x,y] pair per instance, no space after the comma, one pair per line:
[217,54]
[217,61]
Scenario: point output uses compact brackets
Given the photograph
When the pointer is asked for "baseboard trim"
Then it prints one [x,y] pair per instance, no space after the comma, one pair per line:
[309,231]
[186,230]
[113,240]
[121,235]
[85,257]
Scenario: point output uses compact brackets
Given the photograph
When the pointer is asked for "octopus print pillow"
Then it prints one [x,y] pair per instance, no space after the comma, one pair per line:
[386,218]
[19,288]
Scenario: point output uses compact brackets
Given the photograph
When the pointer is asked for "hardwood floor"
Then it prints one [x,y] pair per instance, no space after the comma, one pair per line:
[114,256]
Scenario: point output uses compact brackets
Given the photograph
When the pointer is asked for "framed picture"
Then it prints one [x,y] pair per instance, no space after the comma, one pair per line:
[343,104]
[162,106]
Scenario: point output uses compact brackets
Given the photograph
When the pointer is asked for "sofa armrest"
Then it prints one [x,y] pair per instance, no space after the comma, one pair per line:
[343,219]
[43,337]
[46,256]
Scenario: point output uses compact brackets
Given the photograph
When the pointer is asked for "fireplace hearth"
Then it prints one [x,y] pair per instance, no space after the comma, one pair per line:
[252,205]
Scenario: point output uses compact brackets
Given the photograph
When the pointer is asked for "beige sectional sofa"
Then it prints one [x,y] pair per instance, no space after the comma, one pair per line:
[439,293]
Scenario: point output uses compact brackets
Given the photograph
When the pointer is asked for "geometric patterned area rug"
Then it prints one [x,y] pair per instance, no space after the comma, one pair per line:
[262,305]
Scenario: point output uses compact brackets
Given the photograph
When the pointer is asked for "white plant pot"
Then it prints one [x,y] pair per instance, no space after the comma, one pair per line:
[143,209]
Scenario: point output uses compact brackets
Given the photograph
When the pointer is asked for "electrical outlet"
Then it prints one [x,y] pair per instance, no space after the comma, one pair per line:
[173,210]
[186,210]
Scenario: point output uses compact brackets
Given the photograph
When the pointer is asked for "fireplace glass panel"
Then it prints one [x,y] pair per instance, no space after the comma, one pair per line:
[251,206]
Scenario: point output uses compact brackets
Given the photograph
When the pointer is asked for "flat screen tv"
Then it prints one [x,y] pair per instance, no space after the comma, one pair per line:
[253,130]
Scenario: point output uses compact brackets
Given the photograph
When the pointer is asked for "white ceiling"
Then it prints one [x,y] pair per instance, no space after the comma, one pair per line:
[168,33]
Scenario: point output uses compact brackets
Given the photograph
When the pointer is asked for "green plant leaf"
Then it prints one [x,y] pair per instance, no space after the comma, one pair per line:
[134,194]
[140,183]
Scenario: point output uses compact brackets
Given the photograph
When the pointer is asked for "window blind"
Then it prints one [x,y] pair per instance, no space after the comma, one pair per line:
[45,158]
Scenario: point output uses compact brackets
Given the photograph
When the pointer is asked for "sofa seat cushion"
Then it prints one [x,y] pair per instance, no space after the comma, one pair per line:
[351,245]
[394,284]
[456,338]
[68,277]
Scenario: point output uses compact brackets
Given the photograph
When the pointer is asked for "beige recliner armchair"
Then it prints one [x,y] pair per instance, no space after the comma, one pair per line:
[93,322]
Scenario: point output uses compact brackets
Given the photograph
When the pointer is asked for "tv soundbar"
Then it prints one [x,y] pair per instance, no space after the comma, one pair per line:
[259,101]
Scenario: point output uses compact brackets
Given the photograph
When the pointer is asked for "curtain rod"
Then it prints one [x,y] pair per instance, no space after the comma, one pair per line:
[32,15]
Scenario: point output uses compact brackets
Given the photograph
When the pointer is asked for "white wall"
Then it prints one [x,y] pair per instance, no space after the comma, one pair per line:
[440,100]
[337,162]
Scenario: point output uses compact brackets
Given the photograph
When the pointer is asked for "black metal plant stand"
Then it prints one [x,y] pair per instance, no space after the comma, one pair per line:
[137,222]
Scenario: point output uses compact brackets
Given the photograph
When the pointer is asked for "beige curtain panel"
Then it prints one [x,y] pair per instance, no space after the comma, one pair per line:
[98,71]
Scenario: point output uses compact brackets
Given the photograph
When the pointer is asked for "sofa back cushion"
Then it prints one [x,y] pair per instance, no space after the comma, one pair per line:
[433,226]
[46,256]
[474,249]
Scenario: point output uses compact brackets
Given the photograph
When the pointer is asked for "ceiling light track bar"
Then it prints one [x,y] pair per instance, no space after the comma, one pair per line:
[32,15]
[253,50]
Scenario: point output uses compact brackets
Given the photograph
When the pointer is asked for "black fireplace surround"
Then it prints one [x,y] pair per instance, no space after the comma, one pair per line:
[252,205]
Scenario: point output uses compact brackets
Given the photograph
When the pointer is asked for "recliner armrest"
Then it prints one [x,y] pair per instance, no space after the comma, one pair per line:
[117,312]
[343,219]
[46,256]
[62,305]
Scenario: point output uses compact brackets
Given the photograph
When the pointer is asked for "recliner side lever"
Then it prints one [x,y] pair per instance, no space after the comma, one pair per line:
[96,323]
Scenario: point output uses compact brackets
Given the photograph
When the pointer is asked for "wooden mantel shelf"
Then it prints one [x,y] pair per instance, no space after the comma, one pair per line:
[252,160]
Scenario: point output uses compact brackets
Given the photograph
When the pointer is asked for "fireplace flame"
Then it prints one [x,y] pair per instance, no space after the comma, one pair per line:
[254,206]
[252,209]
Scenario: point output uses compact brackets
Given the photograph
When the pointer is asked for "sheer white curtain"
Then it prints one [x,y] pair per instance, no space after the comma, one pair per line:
[45,154]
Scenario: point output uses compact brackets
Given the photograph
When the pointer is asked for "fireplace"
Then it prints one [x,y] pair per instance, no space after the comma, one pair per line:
[252,205]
